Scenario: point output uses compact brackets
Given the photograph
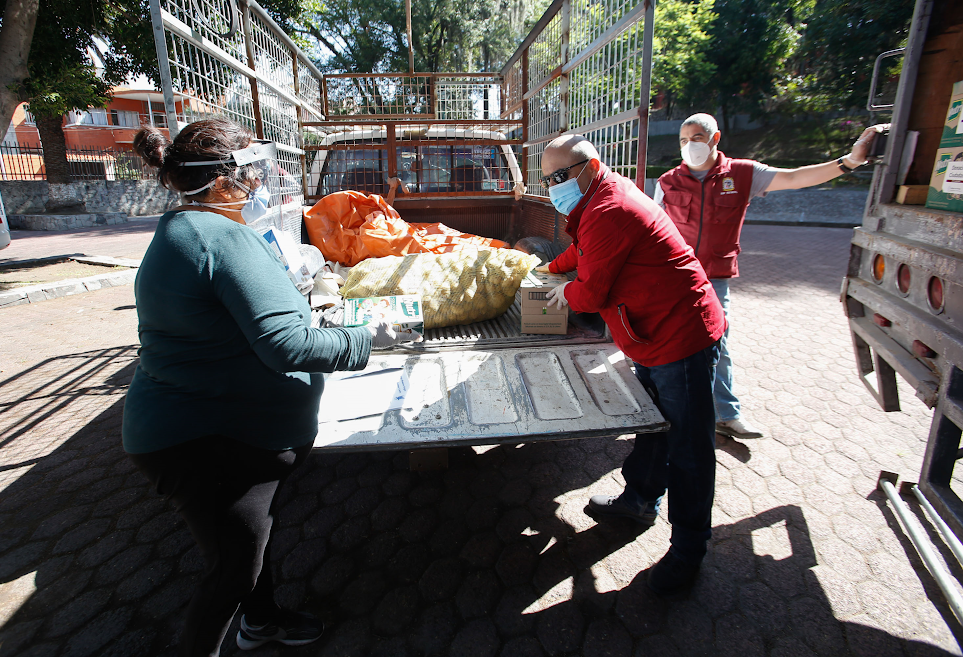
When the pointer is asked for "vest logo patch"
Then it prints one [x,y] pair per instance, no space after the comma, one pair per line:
[728,184]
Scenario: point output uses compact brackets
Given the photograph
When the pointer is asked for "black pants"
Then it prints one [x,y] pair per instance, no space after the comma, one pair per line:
[225,490]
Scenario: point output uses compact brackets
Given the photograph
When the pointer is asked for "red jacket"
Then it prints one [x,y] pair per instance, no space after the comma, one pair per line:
[637,272]
[709,214]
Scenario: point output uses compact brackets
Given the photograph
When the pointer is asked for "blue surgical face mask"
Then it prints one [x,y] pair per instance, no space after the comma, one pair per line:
[565,196]
[256,205]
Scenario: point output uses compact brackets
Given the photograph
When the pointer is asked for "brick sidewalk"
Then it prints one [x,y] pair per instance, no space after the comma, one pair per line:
[493,556]
[129,240]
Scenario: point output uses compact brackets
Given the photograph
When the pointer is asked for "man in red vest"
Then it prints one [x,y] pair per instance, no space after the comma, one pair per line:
[637,272]
[706,197]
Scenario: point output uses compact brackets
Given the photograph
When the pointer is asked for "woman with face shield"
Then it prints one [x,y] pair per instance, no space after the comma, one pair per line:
[224,401]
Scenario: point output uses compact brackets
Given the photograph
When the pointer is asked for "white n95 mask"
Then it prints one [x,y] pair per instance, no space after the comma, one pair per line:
[695,153]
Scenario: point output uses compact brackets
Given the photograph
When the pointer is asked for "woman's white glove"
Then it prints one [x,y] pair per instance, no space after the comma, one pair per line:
[557,296]
[385,335]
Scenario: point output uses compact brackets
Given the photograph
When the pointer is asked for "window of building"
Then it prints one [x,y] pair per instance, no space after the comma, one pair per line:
[94,116]
[124,119]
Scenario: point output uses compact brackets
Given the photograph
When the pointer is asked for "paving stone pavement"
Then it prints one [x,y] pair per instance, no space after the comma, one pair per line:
[494,556]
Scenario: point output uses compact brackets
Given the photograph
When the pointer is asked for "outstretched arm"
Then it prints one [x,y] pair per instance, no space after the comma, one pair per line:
[816,174]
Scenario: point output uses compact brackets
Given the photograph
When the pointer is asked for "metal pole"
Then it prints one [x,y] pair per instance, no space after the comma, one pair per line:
[922,545]
[565,27]
[411,47]
[948,534]
[252,63]
[164,67]
[648,34]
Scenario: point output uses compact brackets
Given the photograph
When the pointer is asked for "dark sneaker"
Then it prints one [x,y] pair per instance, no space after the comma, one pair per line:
[292,628]
[612,506]
[672,575]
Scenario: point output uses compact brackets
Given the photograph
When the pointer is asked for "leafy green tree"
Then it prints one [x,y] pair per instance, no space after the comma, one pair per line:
[365,36]
[19,18]
[752,42]
[840,45]
[681,68]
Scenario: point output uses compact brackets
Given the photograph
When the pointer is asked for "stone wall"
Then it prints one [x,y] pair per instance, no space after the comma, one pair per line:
[133,197]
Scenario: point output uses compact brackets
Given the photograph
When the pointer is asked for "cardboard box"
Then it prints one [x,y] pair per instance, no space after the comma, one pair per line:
[952,128]
[551,324]
[404,310]
[912,194]
[946,183]
[533,294]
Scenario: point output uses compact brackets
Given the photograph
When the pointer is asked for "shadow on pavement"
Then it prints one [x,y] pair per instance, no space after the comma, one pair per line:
[490,557]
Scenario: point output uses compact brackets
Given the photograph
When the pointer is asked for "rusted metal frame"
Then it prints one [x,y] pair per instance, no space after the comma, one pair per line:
[346,147]
[460,142]
[536,31]
[429,195]
[565,29]
[365,119]
[556,72]
[251,62]
[609,34]
[412,120]
[300,116]
[546,138]
[525,117]
[903,105]
[495,76]
[411,48]
[392,143]
[324,98]
[648,34]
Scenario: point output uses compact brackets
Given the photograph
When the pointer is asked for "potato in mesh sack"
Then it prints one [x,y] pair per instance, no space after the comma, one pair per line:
[455,288]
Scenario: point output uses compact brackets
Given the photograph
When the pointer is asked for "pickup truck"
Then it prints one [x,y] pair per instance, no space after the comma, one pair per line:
[464,147]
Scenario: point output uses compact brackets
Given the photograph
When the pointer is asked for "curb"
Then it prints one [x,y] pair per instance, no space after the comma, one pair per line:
[70,286]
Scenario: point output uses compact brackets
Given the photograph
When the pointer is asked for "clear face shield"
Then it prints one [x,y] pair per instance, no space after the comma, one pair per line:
[257,172]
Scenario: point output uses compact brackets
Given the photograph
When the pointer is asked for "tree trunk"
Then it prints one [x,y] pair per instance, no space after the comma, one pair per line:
[62,196]
[19,20]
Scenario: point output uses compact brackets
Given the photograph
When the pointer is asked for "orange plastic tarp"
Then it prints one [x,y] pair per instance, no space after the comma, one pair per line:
[349,227]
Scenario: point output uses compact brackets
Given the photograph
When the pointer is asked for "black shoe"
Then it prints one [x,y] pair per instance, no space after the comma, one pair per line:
[672,575]
[612,506]
[292,628]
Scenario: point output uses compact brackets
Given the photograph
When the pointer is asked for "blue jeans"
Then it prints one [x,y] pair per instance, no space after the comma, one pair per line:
[727,404]
[681,460]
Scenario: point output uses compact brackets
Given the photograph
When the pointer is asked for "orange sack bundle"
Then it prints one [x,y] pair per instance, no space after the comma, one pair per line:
[349,227]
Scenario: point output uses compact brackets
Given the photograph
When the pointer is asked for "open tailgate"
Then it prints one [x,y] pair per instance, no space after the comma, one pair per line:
[478,397]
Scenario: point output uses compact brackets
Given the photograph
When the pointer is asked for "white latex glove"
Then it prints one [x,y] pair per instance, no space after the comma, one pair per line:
[543,269]
[385,335]
[519,190]
[557,296]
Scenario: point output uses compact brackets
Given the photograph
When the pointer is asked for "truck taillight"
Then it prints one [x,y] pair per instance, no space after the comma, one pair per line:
[879,268]
[903,279]
[934,294]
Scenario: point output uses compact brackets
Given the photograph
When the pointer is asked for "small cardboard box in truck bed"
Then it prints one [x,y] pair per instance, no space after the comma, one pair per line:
[537,315]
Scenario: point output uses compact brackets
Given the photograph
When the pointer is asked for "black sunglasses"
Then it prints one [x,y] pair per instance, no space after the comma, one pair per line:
[558,177]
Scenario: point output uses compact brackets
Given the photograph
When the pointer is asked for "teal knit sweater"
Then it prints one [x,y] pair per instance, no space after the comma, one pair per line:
[226,344]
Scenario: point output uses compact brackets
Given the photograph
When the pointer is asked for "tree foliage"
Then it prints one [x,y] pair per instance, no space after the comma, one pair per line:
[841,42]
[681,67]
[448,35]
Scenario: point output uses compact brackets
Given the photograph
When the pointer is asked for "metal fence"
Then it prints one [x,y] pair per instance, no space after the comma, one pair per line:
[586,68]
[24,162]
[439,133]
[231,59]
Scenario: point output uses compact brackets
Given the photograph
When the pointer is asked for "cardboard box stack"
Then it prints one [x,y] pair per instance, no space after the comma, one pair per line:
[946,183]
[537,315]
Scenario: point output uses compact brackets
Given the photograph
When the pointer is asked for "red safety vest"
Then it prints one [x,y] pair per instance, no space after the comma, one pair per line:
[709,214]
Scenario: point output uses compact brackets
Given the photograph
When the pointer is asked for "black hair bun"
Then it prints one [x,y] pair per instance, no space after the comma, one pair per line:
[151,144]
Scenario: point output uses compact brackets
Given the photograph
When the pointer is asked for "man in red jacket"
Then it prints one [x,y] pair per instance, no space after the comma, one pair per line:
[707,197]
[635,270]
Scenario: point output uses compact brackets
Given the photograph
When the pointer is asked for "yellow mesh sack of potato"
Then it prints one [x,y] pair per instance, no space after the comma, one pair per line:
[455,288]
